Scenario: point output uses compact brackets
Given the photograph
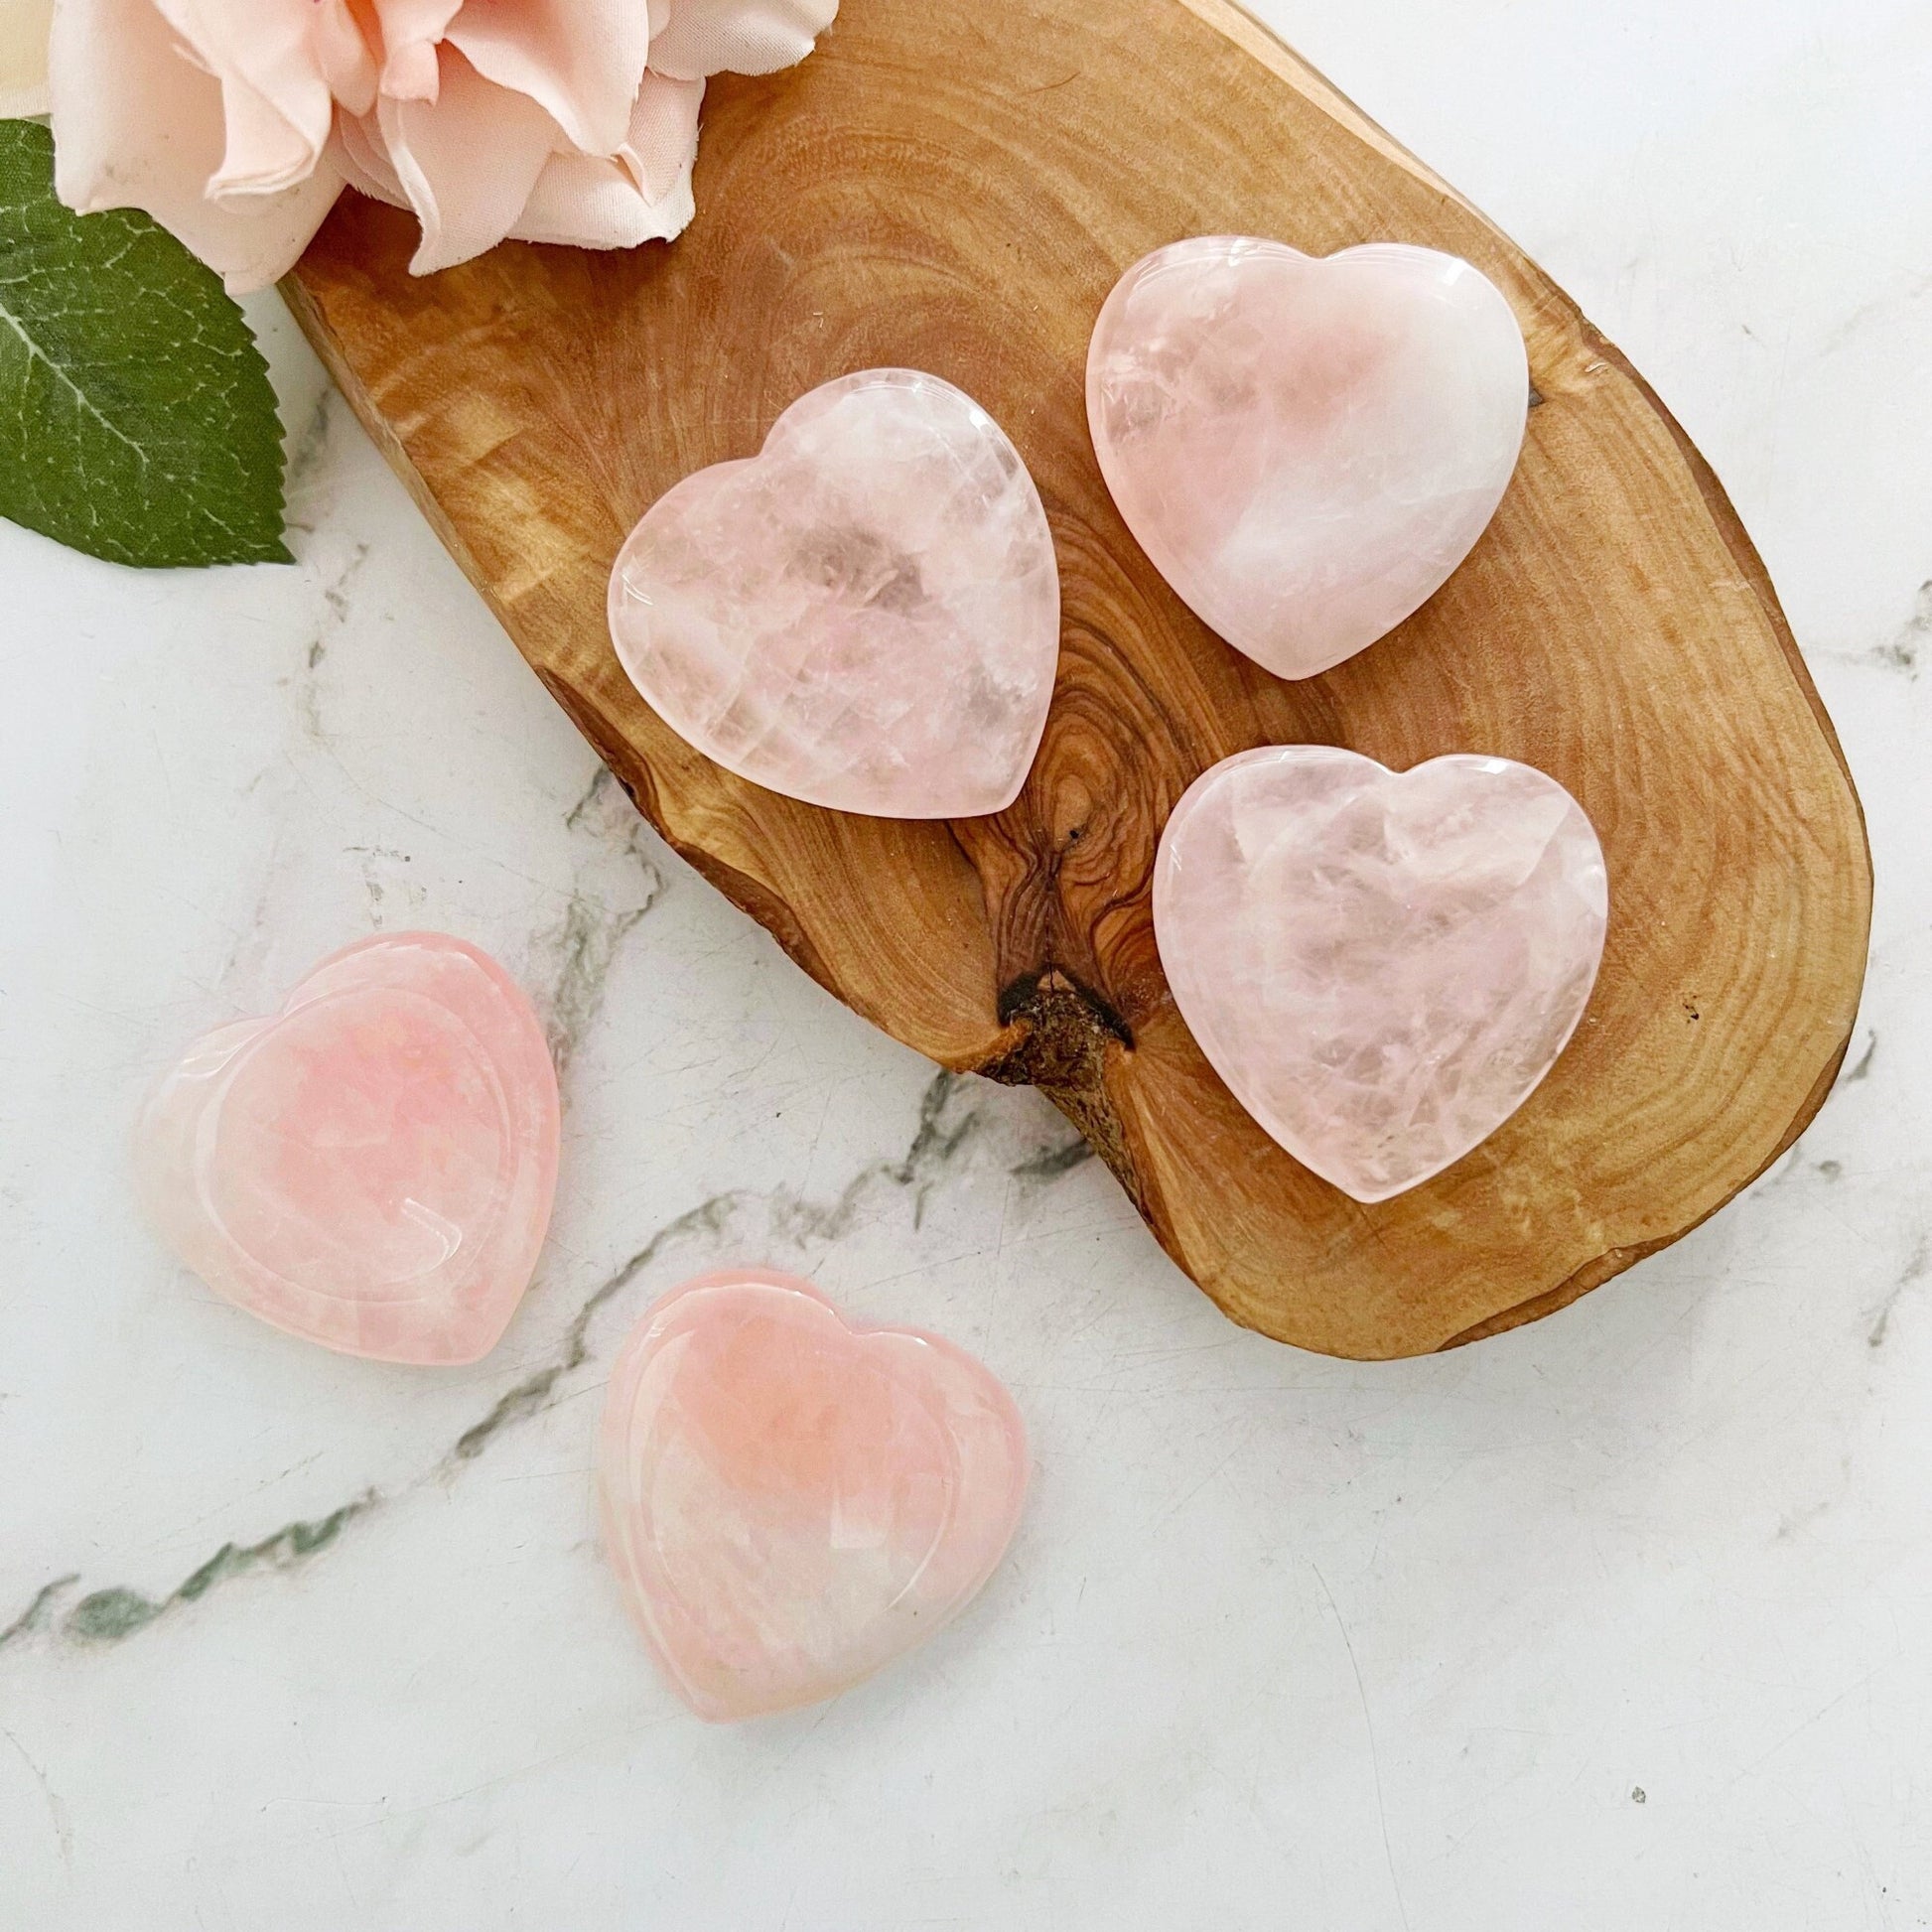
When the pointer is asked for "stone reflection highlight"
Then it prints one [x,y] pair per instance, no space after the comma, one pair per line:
[865,616]
[1305,448]
[1381,965]
[373,1167]
[791,1502]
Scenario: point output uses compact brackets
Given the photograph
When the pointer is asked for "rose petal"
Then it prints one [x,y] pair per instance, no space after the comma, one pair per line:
[404,21]
[644,194]
[413,73]
[276,104]
[265,153]
[580,60]
[662,140]
[706,37]
[137,125]
[410,31]
[347,63]
[23,57]
[358,152]
[468,162]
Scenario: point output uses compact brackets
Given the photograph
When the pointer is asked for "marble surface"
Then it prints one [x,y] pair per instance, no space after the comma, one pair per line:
[1616,1621]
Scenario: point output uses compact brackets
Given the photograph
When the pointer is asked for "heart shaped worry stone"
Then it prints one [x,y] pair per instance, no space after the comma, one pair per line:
[790,1502]
[1381,965]
[1306,448]
[865,616]
[373,1167]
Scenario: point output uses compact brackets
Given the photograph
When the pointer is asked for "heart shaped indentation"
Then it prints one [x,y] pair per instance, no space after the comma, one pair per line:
[373,1167]
[791,1502]
[1381,965]
[865,616]
[1305,448]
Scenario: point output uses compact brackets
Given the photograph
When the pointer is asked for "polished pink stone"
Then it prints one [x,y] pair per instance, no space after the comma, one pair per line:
[373,1167]
[791,1502]
[865,616]
[1306,448]
[1381,965]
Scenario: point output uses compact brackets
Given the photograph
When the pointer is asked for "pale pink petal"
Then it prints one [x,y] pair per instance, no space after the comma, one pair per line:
[358,152]
[644,194]
[662,140]
[706,37]
[23,57]
[586,201]
[406,20]
[580,60]
[265,153]
[412,73]
[468,162]
[137,125]
[275,100]
[347,63]
[411,30]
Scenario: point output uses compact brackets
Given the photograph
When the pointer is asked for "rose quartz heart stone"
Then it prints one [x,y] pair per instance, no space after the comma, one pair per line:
[1381,965]
[1306,449]
[865,616]
[791,1502]
[373,1167]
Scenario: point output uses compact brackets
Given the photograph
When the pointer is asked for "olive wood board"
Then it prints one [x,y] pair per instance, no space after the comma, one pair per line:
[956,188]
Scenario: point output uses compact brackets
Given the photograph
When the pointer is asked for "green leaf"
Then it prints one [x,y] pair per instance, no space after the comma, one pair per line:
[136,418]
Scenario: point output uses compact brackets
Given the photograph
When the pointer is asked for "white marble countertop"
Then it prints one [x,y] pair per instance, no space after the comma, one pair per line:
[1617,1621]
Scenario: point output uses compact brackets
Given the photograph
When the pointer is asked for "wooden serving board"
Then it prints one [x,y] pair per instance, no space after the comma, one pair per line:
[956,188]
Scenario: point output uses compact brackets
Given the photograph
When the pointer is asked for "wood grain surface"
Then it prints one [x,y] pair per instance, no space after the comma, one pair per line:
[956,188]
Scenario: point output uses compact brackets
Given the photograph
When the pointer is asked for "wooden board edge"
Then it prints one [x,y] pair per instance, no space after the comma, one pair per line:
[315,326]
[1613,1262]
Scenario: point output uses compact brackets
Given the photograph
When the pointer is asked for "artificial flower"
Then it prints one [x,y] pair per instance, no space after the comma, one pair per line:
[235,123]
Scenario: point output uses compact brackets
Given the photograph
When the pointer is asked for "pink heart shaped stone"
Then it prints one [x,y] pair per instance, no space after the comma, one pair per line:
[865,616]
[372,1169]
[1305,448]
[790,1502]
[1381,965]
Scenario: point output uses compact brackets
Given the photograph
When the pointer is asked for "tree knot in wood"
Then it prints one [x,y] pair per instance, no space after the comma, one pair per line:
[1067,1029]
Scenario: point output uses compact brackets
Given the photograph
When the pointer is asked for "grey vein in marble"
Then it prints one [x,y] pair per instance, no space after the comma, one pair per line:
[38,1609]
[583,947]
[114,1613]
[1051,1163]
[107,1615]
[1915,1270]
[934,1144]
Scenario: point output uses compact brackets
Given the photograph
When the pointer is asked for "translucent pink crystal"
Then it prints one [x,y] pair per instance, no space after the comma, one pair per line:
[865,616]
[1382,966]
[791,1502]
[1306,448]
[372,1169]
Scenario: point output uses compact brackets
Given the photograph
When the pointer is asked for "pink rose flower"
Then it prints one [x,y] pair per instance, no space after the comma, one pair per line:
[235,123]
